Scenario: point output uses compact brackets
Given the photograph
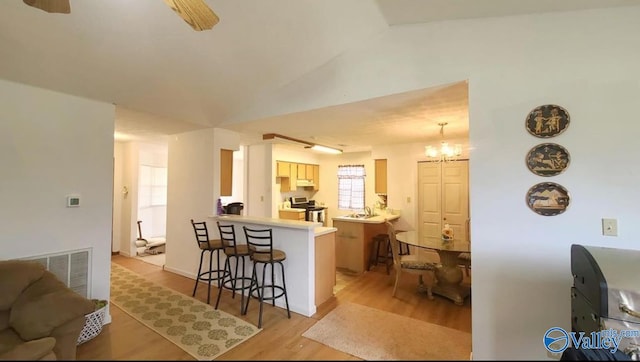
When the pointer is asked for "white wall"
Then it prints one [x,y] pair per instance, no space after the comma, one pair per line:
[193,189]
[259,180]
[53,145]
[126,160]
[118,195]
[189,196]
[238,181]
[586,62]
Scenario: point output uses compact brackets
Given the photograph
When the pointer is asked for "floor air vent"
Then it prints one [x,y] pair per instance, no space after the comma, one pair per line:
[70,267]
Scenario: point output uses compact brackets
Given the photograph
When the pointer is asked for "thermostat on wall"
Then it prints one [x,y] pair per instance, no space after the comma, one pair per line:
[73,200]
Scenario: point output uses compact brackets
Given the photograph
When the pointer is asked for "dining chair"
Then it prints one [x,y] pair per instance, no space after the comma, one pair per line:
[410,264]
[464,260]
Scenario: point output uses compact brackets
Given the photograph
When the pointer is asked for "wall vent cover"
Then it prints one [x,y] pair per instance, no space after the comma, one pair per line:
[72,268]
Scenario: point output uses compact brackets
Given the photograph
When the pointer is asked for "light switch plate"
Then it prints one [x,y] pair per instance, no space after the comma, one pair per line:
[73,200]
[610,227]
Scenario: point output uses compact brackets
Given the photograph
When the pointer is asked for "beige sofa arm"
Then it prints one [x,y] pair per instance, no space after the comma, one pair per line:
[37,349]
[37,318]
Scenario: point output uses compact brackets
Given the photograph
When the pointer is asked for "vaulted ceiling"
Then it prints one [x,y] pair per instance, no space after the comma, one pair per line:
[166,78]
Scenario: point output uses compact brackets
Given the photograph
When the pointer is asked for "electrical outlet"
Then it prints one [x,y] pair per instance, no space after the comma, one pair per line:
[610,227]
[408,199]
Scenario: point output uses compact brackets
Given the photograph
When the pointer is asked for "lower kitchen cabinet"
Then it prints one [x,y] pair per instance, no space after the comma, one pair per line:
[353,244]
[291,214]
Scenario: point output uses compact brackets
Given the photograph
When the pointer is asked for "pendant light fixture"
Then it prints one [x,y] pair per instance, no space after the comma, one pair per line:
[445,152]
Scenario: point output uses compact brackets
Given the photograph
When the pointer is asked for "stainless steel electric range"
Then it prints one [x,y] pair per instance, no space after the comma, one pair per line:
[313,212]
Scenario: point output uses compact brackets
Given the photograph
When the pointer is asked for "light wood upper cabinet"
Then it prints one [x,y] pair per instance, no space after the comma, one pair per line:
[309,171]
[316,177]
[302,171]
[288,184]
[293,177]
[290,172]
[226,172]
[283,169]
[381,176]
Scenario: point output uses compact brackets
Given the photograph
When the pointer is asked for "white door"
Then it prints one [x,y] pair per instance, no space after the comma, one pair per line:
[443,194]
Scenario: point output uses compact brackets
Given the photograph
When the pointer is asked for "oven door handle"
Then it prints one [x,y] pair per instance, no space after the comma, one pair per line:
[626,309]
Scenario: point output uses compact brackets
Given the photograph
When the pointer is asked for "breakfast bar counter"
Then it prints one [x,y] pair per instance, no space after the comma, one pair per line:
[310,263]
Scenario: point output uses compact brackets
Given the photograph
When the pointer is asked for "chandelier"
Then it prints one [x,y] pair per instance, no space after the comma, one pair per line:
[446,152]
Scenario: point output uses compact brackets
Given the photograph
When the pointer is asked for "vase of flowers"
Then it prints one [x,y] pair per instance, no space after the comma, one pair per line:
[447,233]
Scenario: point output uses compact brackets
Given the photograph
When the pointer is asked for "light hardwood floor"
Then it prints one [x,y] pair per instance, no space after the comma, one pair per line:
[281,339]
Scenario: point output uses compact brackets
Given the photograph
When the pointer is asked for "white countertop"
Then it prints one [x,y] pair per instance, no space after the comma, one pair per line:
[293,224]
[293,209]
[379,219]
[322,230]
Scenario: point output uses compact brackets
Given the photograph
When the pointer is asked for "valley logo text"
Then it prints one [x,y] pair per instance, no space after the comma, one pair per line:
[556,339]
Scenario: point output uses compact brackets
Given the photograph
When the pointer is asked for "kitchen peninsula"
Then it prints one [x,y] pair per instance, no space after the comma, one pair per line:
[353,239]
[310,268]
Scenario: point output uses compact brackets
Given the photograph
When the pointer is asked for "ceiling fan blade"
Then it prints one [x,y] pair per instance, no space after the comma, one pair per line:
[195,12]
[50,6]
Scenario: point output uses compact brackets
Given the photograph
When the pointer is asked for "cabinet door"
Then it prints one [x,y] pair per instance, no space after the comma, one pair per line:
[291,215]
[293,177]
[381,176]
[283,169]
[349,246]
[288,184]
[226,172]
[309,172]
[316,177]
[302,171]
[325,271]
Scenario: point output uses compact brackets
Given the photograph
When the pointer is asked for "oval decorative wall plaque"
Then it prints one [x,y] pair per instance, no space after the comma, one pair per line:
[547,121]
[548,159]
[548,199]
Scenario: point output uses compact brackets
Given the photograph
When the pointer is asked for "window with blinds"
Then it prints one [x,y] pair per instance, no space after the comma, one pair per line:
[152,190]
[351,187]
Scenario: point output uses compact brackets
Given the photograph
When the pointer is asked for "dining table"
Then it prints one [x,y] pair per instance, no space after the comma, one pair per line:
[448,275]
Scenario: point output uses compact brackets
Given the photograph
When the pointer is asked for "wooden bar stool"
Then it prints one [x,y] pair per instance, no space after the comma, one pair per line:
[236,280]
[381,256]
[211,246]
[403,248]
[260,243]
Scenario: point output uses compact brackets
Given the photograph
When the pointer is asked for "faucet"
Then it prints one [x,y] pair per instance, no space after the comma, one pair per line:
[367,211]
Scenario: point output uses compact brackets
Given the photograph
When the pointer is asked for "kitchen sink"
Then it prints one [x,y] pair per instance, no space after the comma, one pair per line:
[359,216]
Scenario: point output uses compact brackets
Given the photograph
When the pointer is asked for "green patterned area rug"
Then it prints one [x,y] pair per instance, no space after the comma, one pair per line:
[192,325]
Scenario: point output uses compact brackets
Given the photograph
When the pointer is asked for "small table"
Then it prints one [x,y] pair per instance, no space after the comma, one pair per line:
[448,275]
